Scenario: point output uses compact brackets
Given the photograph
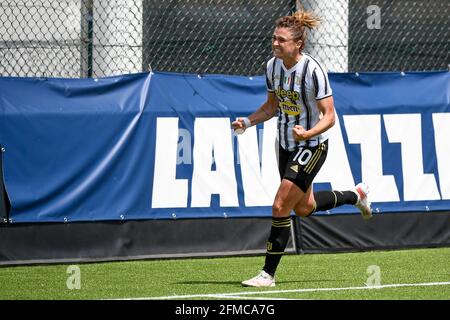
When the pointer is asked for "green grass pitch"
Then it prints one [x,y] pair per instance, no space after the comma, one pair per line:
[401,274]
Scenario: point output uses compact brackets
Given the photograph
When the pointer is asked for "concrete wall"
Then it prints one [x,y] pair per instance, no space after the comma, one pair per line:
[329,42]
[39,47]
[50,38]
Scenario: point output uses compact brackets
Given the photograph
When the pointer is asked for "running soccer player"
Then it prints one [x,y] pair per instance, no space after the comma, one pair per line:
[299,91]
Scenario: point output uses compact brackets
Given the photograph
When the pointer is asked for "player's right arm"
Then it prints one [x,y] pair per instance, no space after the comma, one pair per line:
[267,111]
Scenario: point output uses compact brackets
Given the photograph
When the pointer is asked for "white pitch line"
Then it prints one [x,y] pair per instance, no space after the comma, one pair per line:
[223,295]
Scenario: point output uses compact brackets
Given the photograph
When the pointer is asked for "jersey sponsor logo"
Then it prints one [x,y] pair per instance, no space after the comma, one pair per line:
[290,108]
[282,93]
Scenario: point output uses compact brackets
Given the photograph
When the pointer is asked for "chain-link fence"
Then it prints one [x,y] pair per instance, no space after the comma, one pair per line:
[94,38]
[409,35]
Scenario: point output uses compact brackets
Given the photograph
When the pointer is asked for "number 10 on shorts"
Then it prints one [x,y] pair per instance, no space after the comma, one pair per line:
[303,156]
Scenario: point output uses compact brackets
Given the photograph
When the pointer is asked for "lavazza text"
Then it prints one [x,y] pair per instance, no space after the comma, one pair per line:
[213,155]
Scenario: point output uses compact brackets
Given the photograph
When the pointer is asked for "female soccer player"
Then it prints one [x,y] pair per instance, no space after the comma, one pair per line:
[299,91]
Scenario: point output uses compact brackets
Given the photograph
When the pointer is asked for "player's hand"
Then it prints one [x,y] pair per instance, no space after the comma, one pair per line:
[300,133]
[239,125]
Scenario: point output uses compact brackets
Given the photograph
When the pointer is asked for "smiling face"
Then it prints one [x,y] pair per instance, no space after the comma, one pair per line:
[284,46]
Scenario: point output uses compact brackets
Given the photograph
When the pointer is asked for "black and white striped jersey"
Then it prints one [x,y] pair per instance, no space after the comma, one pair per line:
[298,89]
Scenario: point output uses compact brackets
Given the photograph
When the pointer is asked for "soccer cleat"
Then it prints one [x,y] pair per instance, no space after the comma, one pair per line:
[261,280]
[363,203]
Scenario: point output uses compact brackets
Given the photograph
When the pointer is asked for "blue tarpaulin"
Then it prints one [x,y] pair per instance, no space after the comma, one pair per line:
[159,145]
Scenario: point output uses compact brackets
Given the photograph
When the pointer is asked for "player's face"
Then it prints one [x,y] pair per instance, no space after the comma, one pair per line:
[284,46]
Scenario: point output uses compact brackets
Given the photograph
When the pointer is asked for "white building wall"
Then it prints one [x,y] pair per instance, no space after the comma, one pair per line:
[44,38]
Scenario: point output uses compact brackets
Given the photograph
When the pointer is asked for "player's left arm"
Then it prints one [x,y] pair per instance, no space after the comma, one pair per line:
[326,107]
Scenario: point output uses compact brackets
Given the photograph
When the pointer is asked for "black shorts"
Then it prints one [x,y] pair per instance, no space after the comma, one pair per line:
[302,165]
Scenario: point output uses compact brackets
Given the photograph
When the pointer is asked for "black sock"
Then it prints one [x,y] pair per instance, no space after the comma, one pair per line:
[326,200]
[278,239]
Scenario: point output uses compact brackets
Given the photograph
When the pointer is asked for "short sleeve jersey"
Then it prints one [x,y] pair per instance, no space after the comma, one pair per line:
[298,89]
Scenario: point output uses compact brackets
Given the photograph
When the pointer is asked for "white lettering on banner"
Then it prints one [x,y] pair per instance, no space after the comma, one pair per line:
[259,170]
[366,131]
[341,177]
[213,136]
[168,192]
[407,130]
[441,123]
[260,182]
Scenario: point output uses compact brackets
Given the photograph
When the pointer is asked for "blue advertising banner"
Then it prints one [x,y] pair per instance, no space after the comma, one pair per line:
[160,146]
